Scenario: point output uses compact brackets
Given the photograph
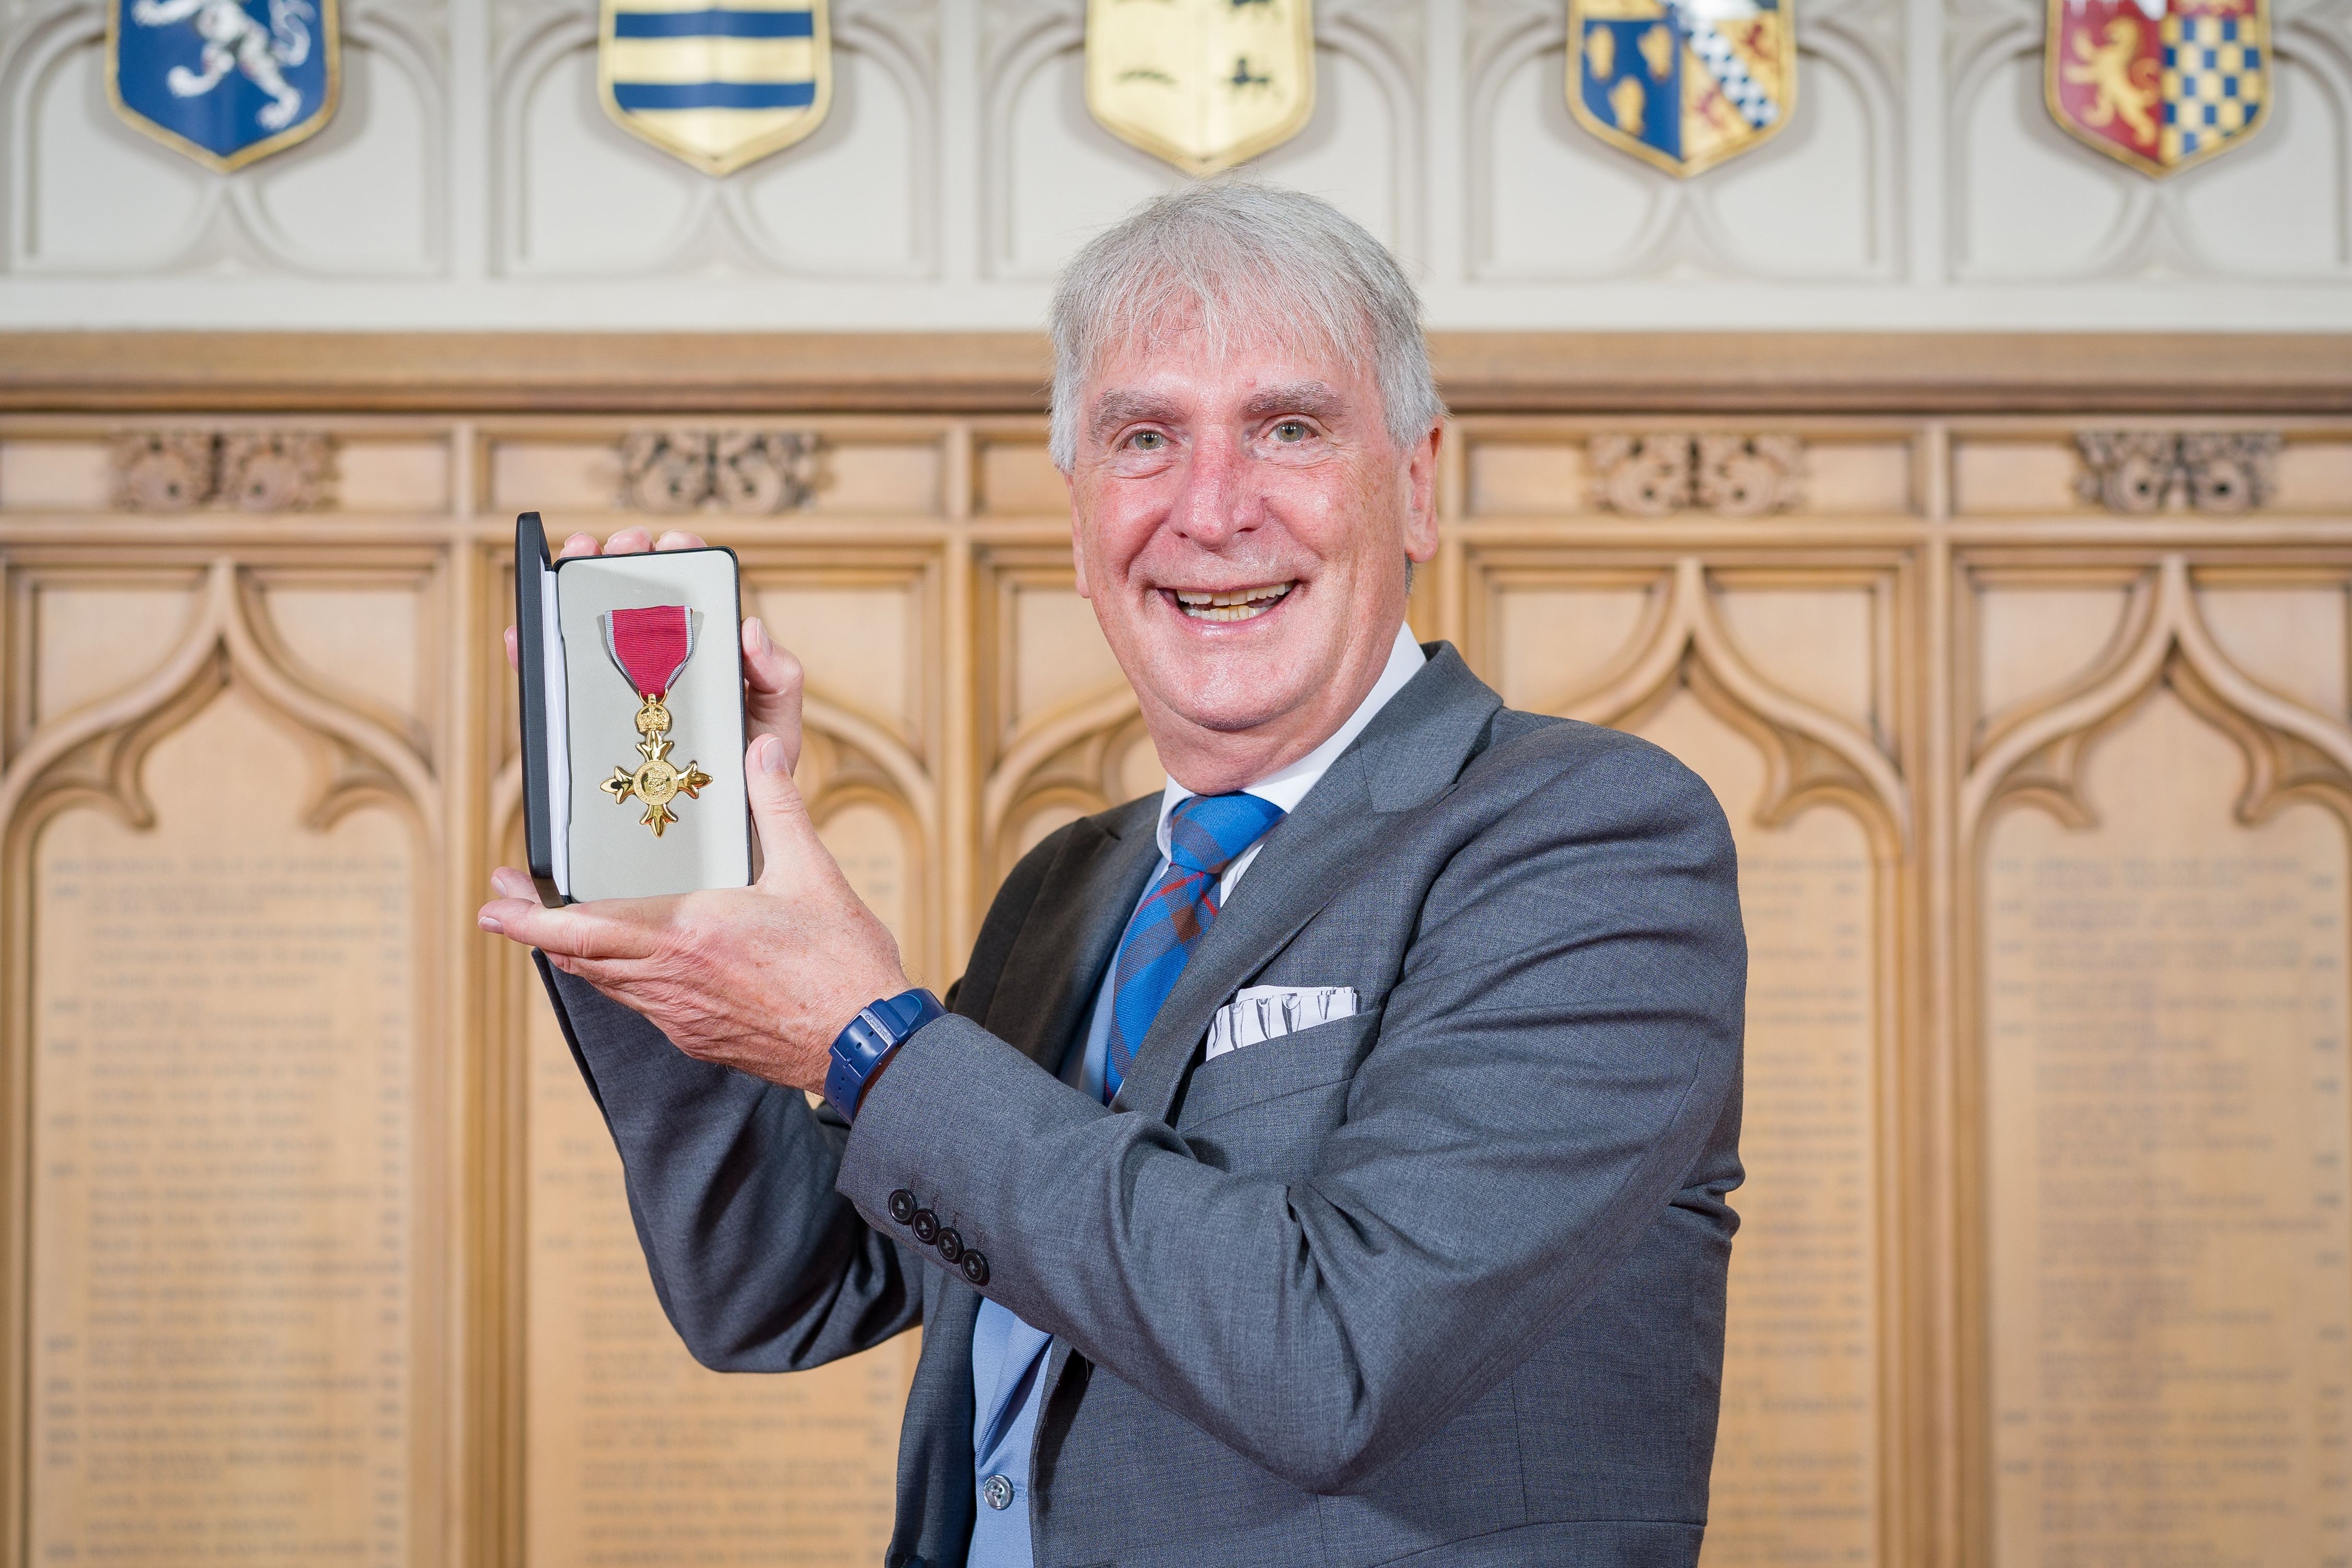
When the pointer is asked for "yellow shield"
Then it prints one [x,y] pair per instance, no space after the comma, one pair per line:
[717,82]
[1201,83]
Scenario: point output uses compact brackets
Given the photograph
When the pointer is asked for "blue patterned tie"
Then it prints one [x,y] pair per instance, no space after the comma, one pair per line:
[1206,833]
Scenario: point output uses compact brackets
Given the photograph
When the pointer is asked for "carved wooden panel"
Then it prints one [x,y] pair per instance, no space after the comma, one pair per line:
[1822,821]
[2039,764]
[228,875]
[2161,874]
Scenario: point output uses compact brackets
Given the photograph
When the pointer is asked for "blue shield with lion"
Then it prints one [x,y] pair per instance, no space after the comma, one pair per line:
[225,82]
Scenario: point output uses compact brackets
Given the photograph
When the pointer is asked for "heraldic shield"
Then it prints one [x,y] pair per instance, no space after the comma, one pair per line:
[1203,83]
[2159,84]
[225,82]
[1682,83]
[716,82]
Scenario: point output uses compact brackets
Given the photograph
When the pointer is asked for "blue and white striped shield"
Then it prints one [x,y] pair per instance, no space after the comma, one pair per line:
[716,82]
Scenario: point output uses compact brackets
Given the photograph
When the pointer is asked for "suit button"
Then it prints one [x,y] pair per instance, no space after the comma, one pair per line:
[996,1492]
[975,1269]
[926,1225]
[951,1245]
[903,1205]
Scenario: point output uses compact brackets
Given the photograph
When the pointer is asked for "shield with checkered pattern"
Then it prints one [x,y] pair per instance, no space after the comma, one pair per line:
[2159,84]
[1682,84]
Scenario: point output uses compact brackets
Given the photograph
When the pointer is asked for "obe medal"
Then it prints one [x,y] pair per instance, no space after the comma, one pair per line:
[649,647]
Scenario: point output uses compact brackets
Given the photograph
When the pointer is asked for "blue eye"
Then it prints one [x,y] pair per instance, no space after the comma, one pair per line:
[1290,431]
[1147,440]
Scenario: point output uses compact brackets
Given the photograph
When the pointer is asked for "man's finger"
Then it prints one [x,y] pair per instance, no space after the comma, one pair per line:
[679,539]
[613,930]
[514,650]
[629,541]
[578,544]
[779,815]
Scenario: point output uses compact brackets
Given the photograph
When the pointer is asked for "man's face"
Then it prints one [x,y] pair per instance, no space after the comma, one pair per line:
[1242,525]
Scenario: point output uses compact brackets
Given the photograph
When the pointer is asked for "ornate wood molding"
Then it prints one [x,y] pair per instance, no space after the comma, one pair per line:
[1810,755]
[1732,475]
[93,754]
[2143,470]
[2036,756]
[252,470]
[652,373]
[745,471]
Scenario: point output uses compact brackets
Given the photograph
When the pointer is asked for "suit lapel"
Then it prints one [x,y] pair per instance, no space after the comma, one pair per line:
[1407,757]
[1055,964]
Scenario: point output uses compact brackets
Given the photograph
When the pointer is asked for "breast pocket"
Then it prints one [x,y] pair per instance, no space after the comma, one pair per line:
[1264,1107]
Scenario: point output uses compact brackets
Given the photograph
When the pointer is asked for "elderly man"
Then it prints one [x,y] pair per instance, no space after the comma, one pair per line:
[1322,1162]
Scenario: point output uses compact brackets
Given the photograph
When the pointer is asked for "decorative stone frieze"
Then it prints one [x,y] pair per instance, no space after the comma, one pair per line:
[686,470]
[1668,471]
[2141,471]
[251,470]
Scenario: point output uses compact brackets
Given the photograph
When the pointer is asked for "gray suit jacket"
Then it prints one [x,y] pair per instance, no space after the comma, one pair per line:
[1443,1282]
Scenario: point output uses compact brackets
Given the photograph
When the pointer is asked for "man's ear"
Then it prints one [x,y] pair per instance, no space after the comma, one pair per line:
[1420,493]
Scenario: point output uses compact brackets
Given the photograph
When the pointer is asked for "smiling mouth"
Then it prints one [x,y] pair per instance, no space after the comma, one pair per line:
[1234,604]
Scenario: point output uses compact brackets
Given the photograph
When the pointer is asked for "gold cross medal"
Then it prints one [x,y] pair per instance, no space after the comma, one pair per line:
[649,647]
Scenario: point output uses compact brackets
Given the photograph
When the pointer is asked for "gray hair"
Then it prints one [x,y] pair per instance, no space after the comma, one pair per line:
[1240,257]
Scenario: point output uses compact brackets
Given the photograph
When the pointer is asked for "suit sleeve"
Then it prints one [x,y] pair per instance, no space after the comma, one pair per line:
[760,1263]
[1562,1042]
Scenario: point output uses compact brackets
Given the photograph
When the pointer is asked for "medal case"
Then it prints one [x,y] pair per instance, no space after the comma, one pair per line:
[600,773]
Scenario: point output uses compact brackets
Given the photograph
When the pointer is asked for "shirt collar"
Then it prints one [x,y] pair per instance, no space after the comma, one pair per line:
[1288,787]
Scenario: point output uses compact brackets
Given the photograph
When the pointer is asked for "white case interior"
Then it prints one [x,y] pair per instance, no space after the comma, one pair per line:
[604,850]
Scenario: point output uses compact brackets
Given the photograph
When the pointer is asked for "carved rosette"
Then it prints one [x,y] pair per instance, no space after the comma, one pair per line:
[748,472]
[252,470]
[2140,471]
[277,470]
[1668,471]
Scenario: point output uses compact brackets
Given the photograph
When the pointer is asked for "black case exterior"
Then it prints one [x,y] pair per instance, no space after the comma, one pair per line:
[532,563]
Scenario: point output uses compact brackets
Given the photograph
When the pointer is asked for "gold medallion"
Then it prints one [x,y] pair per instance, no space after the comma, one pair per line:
[656,780]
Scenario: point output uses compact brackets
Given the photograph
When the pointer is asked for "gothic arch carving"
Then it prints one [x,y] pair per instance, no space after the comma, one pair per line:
[2035,756]
[1811,756]
[1075,758]
[93,755]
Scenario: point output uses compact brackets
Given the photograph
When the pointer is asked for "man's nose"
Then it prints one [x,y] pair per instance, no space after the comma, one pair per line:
[1219,498]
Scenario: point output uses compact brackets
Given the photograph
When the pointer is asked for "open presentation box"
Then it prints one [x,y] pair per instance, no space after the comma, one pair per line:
[614,805]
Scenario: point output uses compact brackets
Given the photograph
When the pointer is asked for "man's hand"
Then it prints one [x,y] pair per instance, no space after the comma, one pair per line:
[759,978]
[772,677]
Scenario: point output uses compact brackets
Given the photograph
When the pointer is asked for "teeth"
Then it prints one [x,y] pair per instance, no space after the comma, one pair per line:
[1233,604]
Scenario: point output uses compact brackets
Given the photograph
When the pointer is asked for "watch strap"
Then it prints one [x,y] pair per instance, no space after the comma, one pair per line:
[878,1029]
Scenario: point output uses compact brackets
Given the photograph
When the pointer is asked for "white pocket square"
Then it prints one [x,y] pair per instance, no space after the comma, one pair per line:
[1263,1013]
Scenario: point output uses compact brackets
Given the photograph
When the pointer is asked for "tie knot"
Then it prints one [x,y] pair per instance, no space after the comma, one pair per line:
[1208,832]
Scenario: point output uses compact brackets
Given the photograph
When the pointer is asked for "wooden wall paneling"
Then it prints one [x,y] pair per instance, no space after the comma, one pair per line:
[1933,635]
[1931,1161]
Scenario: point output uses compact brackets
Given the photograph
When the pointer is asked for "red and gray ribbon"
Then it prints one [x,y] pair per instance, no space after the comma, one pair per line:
[649,647]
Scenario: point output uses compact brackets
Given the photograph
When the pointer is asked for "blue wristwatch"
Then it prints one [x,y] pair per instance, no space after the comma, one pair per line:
[874,1034]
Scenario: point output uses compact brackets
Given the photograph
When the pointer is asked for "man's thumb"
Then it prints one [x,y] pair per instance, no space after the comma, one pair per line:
[779,815]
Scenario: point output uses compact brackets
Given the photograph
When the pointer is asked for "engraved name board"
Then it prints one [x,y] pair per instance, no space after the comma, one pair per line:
[221,1129]
[1796,1467]
[2167,1158]
[638,1456]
